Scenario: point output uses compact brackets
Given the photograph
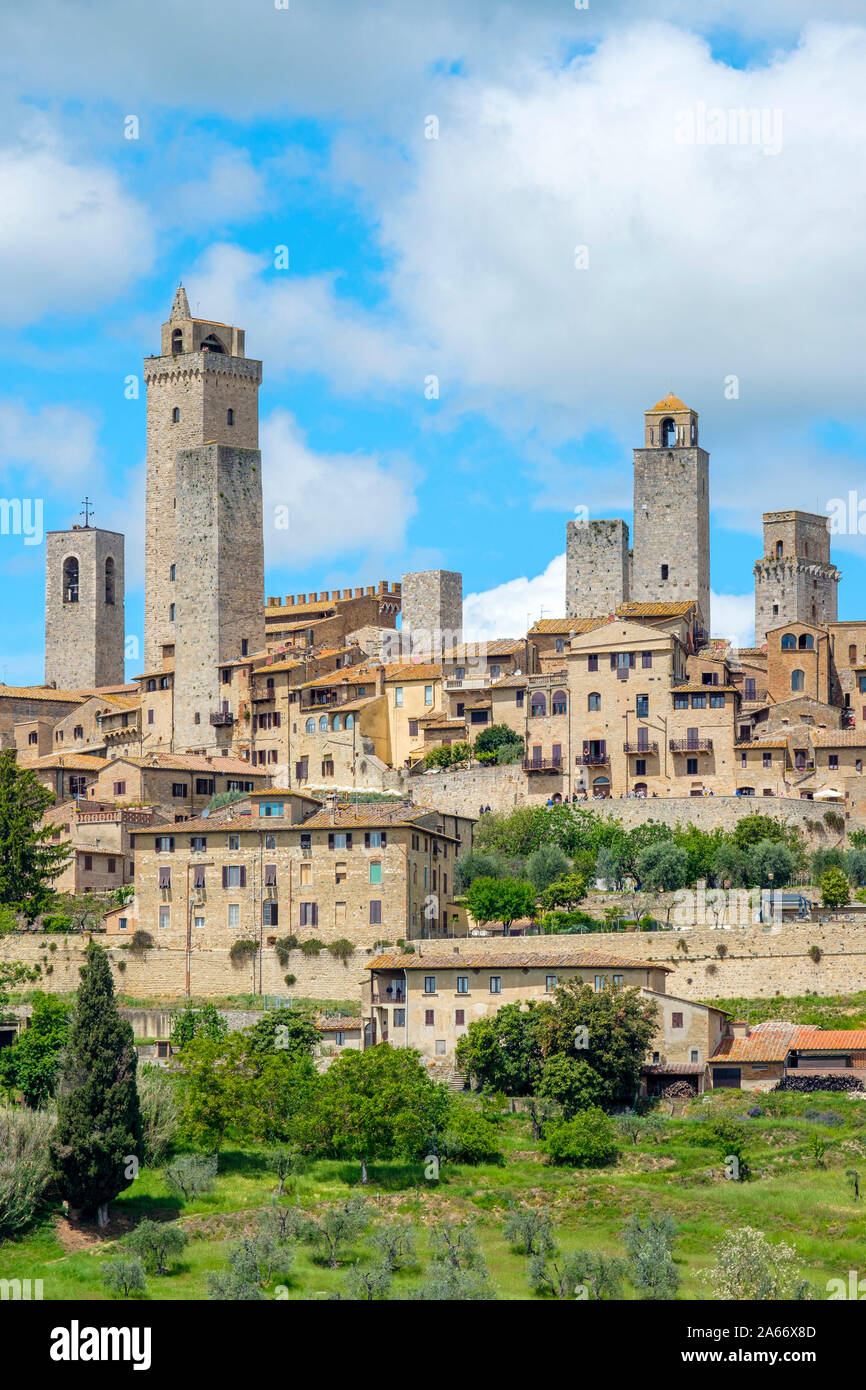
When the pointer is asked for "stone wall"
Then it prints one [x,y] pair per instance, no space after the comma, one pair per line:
[671,527]
[596,567]
[84,641]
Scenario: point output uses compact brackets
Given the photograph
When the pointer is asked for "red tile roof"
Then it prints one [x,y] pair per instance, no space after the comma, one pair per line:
[588,960]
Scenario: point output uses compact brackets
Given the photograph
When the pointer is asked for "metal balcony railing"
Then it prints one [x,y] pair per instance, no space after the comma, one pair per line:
[691,745]
[642,749]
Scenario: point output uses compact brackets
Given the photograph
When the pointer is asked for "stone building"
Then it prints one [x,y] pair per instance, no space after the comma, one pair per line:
[795,580]
[176,786]
[432,612]
[596,567]
[84,613]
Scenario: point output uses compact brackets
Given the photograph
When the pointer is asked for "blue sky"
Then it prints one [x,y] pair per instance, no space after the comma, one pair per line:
[410,258]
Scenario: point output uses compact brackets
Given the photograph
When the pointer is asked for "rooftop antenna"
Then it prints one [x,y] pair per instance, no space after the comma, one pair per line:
[87,512]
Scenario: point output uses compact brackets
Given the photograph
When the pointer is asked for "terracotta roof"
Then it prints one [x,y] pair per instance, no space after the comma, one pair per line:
[673,1068]
[77,762]
[655,610]
[563,627]
[585,960]
[696,688]
[406,671]
[237,814]
[670,402]
[441,721]
[41,692]
[767,1042]
[762,743]
[494,646]
[110,690]
[830,1039]
[371,815]
[838,738]
[190,762]
[338,1025]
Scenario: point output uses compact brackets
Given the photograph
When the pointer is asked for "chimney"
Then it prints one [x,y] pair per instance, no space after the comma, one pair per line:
[739,1028]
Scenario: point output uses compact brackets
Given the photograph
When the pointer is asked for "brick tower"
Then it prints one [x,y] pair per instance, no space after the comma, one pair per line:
[671,528]
[84,618]
[204,561]
[795,580]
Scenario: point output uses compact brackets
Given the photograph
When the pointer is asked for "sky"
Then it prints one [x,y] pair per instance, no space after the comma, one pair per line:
[471,243]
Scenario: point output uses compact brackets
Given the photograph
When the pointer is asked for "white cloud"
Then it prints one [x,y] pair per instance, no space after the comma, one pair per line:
[510,608]
[336,504]
[232,191]
[733,615]
[57,442]
[70,237]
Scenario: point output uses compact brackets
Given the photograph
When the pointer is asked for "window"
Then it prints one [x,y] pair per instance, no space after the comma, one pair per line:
[270,913]
[172,574]
[676,1020]
[109,581]
[175,415]
[164,844]
[428,694]
[681,701]
[462,984]
[767,759]
[617,981]
[717,702]
[309,915]
[593,701]
[806,642]
[413,728]
[398,696]
[600,982]
[234,842]
[323,724]
[33,738]
[270,875]
[559,702]
[478,716]
[340,871]
[204,786]
[592,662]
[178,790]
[337,723]
[646,660]
[230,416]
[642,706]
[694,1055]
[749,688]
[550,983]
[310,726]
[198,842]
[150,716]
[375,871]
[518,698]
[699,702]
[789,641]
[270,842]
[120,789]
[271,808]
[375,912]
[428,1018]
[664,571]
[234,876]
[640,767]
[538,704]
[797,680]
[70,580]
[340,839]
[164,916]
[429,984]
[234,914]
[495,984]
[691,767]
[375,839]
[559,644]
[399,1018]
[88,863]
[833,760]
[339,1038]
[459,1018]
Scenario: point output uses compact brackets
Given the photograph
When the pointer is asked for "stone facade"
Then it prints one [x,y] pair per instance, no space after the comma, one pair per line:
[84,608]
[596,567]
[219,584]
[202,389]
[432,611]
[795,580]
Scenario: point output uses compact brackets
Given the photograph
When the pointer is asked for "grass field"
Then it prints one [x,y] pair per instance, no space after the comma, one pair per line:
[794,1194]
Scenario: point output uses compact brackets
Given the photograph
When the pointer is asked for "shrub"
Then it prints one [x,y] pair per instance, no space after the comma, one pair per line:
[283,945]
[468,1136]
[57,922]
[545,865]
[24,1167]
[342,948]
[587,1141]
[192,1175]
[311,947]
[124,1277]
[574,1085]
[815,954]
[749,1267]
[243,949]
[157,1099]
[157,1242]
[140,942]
[290,980]
[835,888]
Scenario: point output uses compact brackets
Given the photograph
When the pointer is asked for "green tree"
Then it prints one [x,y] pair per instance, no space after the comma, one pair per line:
[649,1242]
[663,867]
[574,1085]
[566,891]
[157,1243]
[754,828]
[496,737]
[289,1031]
[375,1104]
[196,1022]
[158,1102]
[471,866]
[124,1277]
[334,1227]
[98,1115]
[30,1066]
[245,1084]
[25,1169]
[835,888]
[730,865]
[545,865]
[584,1273]
[855,866]
[28,861]
[530,1230]
[367,1285]
[610,865]
[503,1053]
[770,864]
[468,1136]
[192,1175]
[610,1029]
[394,1242]
[501,900]
[586,1141]
[749,1268]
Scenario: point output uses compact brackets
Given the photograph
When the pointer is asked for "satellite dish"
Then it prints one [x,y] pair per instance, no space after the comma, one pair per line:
[205,813]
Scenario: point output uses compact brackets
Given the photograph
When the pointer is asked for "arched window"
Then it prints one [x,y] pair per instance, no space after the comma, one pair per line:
[601,786]
[559,702]
[797,679]
[852,654]
[789,642]
[175,415]
[212,344]
[176,342]
[70,580]
[323,723]
[350,721]
[311,726]
[109,580]
[338,723]
[640,788]
[806,642]
[538,704]
[668,434]
[780,550]
[593,701]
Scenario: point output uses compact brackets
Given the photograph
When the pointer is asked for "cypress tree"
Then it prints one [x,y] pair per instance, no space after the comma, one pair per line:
[98,1117]
[27,862]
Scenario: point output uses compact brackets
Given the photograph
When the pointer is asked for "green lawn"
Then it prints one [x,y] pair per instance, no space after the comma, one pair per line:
[790,1197]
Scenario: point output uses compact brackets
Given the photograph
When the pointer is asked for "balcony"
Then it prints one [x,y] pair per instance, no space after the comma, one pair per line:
[542,764]
[397,997]
[691,745]
[547,678]
[222,719]
[259,692]
[643,750]
[592,759]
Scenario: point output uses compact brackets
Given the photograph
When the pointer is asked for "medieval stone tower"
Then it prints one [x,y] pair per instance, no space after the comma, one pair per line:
[671,528]
[432,608]
[795,581]
[596,567]
[84,618]
[204,561]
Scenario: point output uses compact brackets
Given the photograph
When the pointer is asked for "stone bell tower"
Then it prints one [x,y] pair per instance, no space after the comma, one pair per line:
[671,528]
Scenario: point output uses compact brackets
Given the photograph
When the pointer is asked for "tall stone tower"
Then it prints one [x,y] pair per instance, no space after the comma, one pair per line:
[204,557]
[432,609]
[671,526]
[795,580]
[84,618]
[596,567]
[202,389]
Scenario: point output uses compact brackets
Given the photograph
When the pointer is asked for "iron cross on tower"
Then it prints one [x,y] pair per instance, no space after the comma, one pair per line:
[87,512]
